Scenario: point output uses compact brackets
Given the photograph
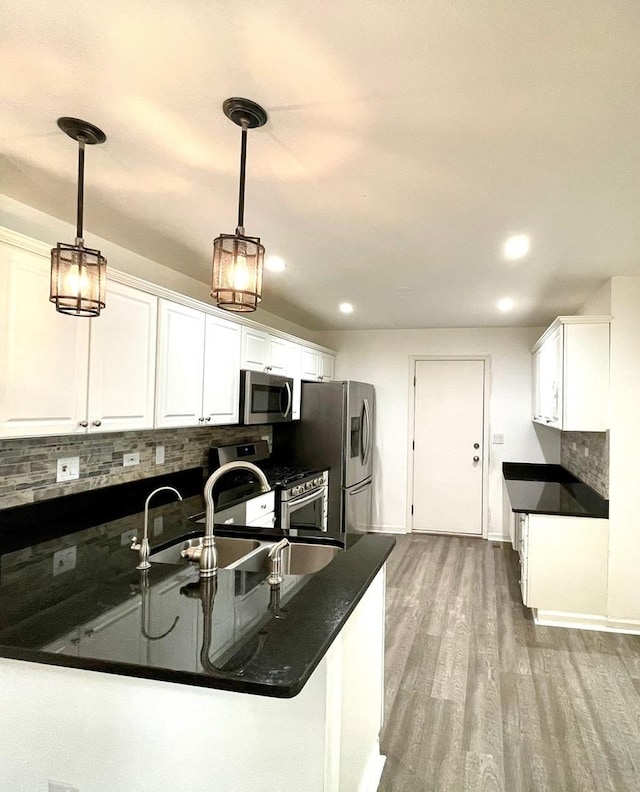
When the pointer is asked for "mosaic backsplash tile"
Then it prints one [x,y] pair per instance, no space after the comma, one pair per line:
[592,468]
[28,465]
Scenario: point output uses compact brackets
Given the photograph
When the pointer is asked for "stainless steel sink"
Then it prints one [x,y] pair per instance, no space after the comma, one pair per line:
[301,558]
[230,550]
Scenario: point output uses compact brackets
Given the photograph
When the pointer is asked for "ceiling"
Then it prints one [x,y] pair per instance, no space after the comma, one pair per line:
[406,140]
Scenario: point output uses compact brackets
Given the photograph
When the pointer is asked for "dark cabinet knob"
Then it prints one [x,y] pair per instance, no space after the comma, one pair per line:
[97,423]
[476,445]
[476,459]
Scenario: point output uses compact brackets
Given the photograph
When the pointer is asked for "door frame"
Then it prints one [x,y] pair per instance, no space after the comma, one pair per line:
[413,359]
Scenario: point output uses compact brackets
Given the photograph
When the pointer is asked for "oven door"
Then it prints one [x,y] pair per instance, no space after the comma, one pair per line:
[306,512]
[265,398]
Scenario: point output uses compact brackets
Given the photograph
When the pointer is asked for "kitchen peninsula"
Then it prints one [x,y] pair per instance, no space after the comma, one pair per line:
[117,679]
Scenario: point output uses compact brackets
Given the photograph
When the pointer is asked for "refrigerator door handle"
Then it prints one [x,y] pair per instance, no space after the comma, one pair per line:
[366,418]
[361,488]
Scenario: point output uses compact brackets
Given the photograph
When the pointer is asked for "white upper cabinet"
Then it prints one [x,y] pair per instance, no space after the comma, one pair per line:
[570,367]
[255,349]
[180,365]
[122,361]
[310,363]
[326,367]
[221,390]
[43,354]
[198,368]
[66,374]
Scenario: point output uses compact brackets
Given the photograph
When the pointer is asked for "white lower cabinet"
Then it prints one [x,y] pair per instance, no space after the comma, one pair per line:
[198,368]
[563,563]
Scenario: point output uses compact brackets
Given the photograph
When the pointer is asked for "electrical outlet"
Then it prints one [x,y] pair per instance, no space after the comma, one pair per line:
[586,451]
[68,469]
[159,455]
[61,786]
[132,458]
[158,525]
[127,536]
[65,560]
[573,446]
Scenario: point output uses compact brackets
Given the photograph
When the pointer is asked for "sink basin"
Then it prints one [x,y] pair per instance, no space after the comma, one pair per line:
[300,558]
[230,550]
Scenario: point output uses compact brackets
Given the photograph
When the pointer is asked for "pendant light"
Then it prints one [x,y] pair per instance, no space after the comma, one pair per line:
[236,282]
[78,273]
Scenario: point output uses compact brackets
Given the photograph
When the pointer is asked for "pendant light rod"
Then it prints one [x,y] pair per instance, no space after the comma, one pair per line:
[243,171]
[80,209]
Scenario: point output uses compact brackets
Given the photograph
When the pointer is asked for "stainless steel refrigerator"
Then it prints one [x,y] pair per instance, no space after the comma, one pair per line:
[335,431]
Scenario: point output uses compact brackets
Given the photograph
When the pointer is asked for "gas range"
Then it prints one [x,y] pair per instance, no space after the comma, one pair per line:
[298,489]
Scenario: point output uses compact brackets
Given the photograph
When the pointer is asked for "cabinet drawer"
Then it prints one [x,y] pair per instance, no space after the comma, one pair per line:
[257,507]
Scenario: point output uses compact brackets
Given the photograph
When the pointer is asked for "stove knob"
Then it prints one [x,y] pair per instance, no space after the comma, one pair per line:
[296,490]
[318,482]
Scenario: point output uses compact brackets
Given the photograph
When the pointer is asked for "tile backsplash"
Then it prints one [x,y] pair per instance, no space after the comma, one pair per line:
[28,465]
[586,455]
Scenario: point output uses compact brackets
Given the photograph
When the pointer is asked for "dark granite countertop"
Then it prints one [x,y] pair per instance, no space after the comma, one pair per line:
[233,633]
[551,489]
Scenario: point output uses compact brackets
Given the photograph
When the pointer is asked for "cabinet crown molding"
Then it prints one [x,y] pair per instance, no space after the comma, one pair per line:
[565,320]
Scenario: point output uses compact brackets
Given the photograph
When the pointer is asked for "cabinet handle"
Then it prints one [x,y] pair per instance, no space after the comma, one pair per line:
[263,506]
[84,424]
[97,423]
[200,420]
[208,418]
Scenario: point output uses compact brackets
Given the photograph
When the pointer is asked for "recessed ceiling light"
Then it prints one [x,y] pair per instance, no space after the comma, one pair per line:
[505,304]
[346,307]
[516,246]
[275,264]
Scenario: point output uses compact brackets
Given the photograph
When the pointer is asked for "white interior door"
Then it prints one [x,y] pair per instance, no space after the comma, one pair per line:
[448,446]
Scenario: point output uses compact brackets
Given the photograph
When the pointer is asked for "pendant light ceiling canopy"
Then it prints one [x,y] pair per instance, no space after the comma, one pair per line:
[238,259]
[78,273]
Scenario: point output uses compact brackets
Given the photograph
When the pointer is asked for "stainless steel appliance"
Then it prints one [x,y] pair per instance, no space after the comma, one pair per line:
[301,491]
[265,398]
[335,431]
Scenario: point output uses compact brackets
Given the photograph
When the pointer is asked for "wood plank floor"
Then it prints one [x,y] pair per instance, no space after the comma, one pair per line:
[479,699]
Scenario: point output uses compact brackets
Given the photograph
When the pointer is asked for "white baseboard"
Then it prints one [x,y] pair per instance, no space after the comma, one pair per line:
[372,772]
[585,621]
[393,529]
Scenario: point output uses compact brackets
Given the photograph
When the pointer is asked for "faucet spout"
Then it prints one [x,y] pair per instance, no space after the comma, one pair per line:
[208,556]
[143,546]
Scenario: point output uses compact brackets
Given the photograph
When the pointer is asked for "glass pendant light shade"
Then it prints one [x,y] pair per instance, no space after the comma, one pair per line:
[237,272]
[78,280]
[236,280]
[78,273]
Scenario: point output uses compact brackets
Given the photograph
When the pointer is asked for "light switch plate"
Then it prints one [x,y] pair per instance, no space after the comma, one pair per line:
[159,455]
[68,469]
[497,439]
[132,458]
[158,525]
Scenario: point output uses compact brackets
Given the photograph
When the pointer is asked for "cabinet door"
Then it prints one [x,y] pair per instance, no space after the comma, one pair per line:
[310,363]
[536,385]
[554,377]
[326,367]
[180,365]
[523,551]
[278,355]
[122,361]
[43,354]
[221,392]
[255,349]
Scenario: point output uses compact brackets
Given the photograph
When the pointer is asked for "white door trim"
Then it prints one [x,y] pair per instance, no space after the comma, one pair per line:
[413,359]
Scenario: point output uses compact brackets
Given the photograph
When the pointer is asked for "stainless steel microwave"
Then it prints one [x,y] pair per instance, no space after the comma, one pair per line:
[265,398]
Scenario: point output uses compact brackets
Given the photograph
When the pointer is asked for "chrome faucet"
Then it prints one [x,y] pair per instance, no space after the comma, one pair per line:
[208,555]
[275,556]
[143,546]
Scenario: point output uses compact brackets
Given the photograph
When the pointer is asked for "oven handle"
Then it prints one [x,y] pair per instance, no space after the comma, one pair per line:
[301,500]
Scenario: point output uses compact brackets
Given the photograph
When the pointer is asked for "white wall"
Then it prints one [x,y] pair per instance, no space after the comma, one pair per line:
[382,357]
[624,502]
[37,225]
